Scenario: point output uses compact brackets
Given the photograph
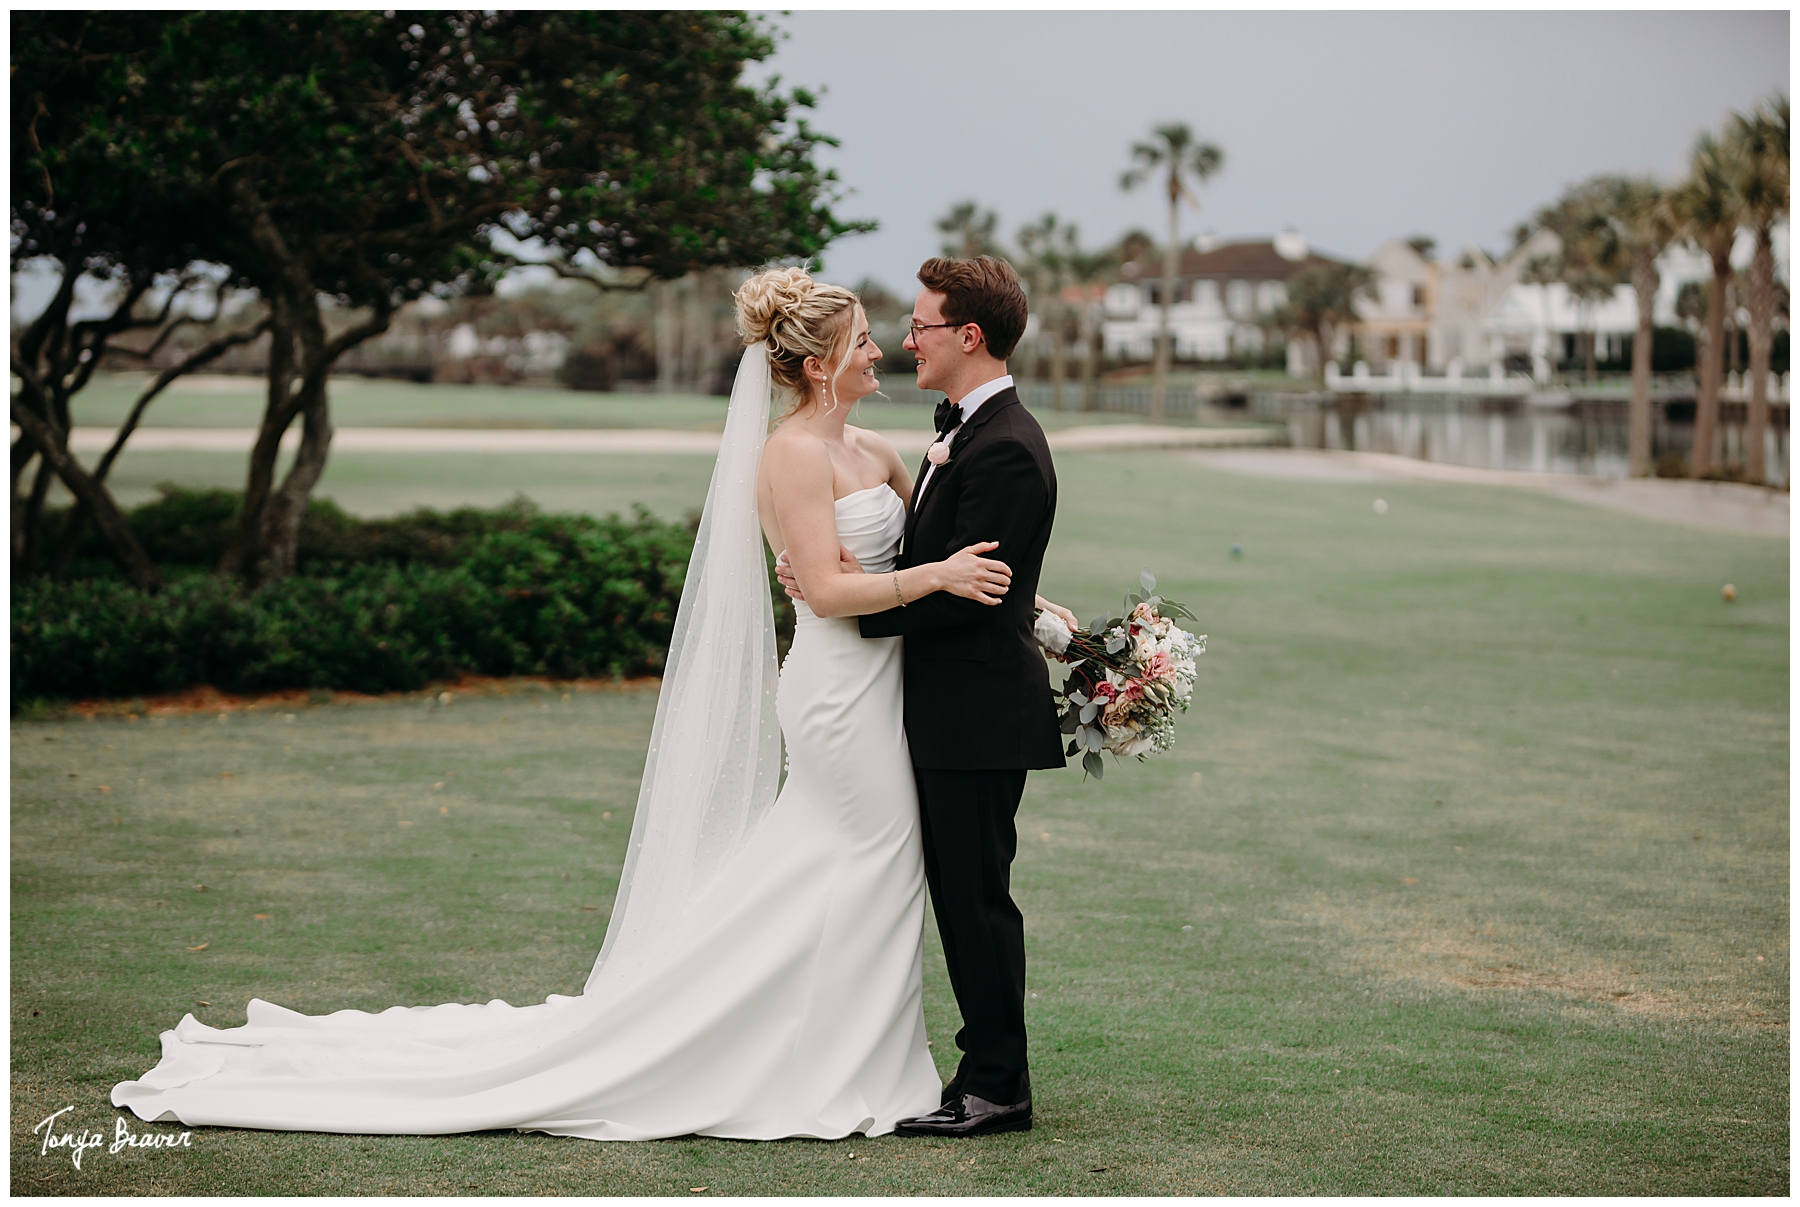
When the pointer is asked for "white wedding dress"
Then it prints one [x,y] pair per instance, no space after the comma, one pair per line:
[772,992]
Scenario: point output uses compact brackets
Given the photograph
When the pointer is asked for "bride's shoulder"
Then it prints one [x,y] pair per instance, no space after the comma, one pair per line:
[793,449]
[870,441]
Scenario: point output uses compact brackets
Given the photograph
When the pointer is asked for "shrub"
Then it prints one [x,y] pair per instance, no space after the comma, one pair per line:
[189,529]
[377,605]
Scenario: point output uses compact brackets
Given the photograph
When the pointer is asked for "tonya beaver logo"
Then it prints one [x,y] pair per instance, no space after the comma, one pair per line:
[79,1141]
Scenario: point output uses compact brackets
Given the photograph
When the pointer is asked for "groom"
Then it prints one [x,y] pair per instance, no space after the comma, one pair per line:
[978,708]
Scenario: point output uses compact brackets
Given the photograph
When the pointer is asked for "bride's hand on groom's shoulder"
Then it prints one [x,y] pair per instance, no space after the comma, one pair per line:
[848,563]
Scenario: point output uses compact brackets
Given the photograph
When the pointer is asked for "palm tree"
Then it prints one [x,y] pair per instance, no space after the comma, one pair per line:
[1174,152]
[1708,208]
[1321,299]
[1087,269]
[1760,182]
[1042,268]
[1690,309]
[1590,256]
[1541,270]
[1640,218]
[970,230]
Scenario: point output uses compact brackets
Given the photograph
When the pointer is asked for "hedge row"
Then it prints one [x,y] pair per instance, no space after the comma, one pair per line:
[184,528]
[378,605]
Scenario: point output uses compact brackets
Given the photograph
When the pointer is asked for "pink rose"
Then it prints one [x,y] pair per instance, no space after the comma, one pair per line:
[938,453]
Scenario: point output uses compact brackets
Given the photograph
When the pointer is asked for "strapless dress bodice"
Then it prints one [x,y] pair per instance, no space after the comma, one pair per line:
[870,523]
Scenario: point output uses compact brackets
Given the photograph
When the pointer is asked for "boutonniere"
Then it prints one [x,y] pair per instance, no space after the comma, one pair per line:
[939,452]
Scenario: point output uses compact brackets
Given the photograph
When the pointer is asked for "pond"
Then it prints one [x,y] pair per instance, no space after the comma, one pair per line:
[1585,437]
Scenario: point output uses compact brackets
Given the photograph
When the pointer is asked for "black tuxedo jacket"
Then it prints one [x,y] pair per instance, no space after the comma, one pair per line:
[977,688]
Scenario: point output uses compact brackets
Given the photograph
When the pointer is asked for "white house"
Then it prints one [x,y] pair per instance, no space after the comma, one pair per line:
[1395,321]
[1222,290]
[1481,312]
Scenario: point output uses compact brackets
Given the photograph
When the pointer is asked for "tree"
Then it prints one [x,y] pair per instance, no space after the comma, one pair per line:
[1690,308]
[1640,218]
[1321,299]
[1759,181]
[124,263]
[1048,245]
[1173,152]
[362,159]
[970,230]
[878,303]
[1087,270]
[1134,245]
[1708,209]
[1590,257]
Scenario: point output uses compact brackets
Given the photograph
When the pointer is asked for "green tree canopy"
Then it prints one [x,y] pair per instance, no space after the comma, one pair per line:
[374,157]
[968,231]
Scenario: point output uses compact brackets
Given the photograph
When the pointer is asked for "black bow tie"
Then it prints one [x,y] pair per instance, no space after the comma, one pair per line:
[947,416]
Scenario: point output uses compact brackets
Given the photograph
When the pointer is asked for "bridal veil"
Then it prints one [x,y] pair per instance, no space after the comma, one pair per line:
[714,764]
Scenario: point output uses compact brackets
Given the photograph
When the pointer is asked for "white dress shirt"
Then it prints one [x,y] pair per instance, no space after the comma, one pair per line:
[970,403]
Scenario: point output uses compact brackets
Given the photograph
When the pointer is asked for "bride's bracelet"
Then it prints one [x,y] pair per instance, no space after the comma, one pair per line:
[901,598]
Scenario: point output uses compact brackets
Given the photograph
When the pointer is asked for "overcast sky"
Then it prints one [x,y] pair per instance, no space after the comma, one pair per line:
[1350,127]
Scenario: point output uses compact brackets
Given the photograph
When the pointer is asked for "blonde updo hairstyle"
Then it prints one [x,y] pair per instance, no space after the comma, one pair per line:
[795,317]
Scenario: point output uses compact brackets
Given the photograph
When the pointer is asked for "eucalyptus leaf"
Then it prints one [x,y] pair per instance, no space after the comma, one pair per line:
[1098,624]
[1069,722]
[1077,697]
[1115,644]
[1089,711]
[1147,580]
[1094,765]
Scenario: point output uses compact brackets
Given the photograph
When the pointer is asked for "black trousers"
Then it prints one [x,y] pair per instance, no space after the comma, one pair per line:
[967,825]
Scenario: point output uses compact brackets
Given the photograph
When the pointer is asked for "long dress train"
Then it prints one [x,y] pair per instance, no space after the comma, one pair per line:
[787,1002]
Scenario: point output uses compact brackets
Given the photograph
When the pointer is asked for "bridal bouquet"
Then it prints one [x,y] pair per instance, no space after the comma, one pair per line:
[1128,676]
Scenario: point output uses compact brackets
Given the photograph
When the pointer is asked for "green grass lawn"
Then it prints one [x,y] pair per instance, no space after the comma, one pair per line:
[386,483]
[1469,876]
[383,483]
[377,484]
[237,401]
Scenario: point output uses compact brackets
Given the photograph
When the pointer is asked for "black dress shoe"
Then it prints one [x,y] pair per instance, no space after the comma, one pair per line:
[969,1116]
[952,1092]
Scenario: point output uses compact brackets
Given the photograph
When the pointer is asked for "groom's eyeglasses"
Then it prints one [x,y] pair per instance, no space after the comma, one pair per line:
[917,327]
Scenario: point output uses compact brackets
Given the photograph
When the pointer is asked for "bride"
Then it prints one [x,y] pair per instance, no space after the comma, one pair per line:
[760,975]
